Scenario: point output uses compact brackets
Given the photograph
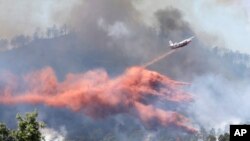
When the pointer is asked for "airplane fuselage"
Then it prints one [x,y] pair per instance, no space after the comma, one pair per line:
[181,44]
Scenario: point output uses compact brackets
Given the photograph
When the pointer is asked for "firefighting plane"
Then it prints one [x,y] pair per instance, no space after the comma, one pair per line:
[180,44]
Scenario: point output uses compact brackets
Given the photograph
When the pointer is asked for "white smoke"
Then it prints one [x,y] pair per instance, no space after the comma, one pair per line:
[53,135]
[219,101]
[116,30]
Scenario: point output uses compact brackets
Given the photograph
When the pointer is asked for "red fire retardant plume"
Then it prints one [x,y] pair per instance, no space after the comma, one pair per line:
[97,95]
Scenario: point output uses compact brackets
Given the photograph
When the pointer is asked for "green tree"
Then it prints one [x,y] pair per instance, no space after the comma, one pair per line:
[211,138]
[224,137]
[5,133]
[28,129]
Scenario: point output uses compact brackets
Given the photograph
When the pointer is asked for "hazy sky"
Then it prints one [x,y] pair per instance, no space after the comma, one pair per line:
[24,17]
[217,22]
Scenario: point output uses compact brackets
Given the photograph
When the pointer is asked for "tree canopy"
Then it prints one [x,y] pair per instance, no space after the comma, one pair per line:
[28,129]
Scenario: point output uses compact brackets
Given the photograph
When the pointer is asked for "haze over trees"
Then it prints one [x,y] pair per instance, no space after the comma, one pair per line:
[29,129]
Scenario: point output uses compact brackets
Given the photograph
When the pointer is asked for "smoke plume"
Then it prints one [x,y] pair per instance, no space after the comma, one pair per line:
[52,135]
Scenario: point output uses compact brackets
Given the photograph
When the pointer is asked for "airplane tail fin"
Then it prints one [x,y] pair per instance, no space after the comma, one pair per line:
[170,43]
